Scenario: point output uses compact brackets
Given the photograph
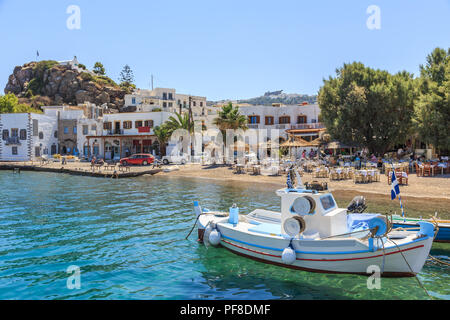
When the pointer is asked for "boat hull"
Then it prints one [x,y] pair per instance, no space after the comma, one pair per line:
[338,255]
[328,262]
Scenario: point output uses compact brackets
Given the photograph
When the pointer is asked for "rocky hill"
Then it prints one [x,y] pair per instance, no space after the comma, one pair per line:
[272,97]
[279,97]
[48,82]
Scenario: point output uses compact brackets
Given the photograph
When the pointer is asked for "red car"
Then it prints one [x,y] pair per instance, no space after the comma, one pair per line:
[139,158]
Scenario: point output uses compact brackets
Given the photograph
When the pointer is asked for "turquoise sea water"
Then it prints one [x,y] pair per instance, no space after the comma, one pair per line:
[127,238]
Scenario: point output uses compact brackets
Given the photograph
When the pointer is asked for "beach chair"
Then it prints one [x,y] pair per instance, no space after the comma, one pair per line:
[427,170]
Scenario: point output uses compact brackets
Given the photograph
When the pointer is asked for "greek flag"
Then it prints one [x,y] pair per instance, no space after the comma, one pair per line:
[395,191]
[289,181]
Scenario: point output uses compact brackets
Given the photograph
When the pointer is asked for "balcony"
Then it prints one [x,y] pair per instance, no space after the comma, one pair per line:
[12,141]
[114,132]
[306,126]
[253,125]
[283,126]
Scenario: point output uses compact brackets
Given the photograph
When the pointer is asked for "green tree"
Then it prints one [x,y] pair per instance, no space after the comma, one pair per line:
[126,79]
[432,109]
[9,103]
[180,121]
[368,108]
[230,118]
[99,69]
[162,133]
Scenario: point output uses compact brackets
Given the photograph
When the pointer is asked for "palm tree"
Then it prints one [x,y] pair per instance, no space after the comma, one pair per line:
[181,121]
[230,118]
[163,134]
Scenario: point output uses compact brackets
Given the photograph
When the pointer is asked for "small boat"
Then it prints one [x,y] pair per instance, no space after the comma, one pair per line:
[312,234]
[443,234]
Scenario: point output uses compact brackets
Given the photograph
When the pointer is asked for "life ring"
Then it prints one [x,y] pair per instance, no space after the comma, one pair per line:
[303,205]
[294,226]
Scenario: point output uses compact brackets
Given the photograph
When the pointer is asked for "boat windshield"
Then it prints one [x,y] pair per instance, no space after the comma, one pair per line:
[327,202]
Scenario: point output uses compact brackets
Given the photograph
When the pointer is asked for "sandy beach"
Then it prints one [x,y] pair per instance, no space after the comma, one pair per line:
[420,187]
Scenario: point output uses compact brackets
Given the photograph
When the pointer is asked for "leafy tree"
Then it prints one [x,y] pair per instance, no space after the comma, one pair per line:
[126,79]
[368,108]
[9,103]
[99,69]
[163,134]
[432,109]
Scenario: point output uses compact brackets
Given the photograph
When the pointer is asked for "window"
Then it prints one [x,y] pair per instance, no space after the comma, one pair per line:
[75,130]
[41,135]
[301,119]
[327,202]
[37,151]
[53,149]
[14,132]
[94,127]
[269,120]
[201,104]
[253,119]
[66,130]
[138,124]
[164,96]
[45,150]
[56,134]
[164,104]
[193,102]
[14,151]
[170,96]
[148,123]
[5,134]
[170,104]
[23,134]
[85,129]
[133,100]
[107,126]
[35,127]
[285,119]
[127,124]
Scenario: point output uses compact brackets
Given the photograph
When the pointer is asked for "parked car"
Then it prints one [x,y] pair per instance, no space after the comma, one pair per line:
[142,159]
[175,159]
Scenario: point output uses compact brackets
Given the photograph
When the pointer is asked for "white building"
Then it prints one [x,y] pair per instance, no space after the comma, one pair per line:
[165,99]
[27,136]
[118,135]
[299,120]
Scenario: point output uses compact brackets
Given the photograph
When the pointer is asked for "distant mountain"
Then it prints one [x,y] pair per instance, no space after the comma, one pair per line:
[273,97]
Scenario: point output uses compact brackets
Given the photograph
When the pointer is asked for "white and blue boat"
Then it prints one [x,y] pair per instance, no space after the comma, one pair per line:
[312,233]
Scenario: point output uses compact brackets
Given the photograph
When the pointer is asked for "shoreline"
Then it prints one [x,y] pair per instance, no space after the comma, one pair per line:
[78,170]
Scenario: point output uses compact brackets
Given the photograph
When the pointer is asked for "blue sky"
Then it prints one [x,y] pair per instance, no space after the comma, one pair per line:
[225,49]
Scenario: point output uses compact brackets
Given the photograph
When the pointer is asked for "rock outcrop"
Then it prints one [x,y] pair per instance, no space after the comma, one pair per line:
[60,84]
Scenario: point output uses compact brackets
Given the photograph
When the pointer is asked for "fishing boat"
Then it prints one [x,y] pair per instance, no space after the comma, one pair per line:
[312,233]
[443,233]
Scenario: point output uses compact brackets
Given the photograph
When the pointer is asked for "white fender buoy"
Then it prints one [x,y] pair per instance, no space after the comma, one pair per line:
[208,231]
[288,255]
[214,237]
